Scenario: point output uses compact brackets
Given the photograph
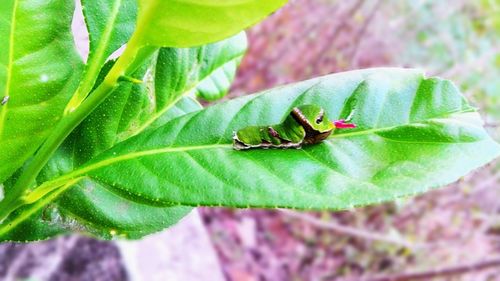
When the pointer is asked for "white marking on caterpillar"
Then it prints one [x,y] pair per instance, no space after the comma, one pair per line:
[350,115]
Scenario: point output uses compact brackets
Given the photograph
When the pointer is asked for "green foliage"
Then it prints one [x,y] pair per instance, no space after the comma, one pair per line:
[180,23]
[134,150]
[206,71]
[89,205]
[106,36]
[38,75]
[380,160]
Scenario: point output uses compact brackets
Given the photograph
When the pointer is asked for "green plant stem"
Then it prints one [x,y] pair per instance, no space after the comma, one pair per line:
[131,58]
[83,89]
[39,204]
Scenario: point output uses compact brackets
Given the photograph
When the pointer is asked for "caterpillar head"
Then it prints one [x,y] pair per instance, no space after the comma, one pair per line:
[314,121]
[313,118]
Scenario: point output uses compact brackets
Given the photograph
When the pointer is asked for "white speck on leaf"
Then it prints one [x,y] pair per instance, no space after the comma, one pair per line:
[44,78]
[5,99]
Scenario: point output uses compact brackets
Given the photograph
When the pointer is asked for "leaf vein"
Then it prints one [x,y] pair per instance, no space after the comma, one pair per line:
[3,108]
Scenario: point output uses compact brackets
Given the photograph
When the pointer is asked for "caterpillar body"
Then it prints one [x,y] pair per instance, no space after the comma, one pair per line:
[305,124]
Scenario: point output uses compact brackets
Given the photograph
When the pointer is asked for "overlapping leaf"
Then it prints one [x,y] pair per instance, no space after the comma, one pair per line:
[92,206]
[205,71]
[413,134]
[107,35]
[110,25]
[88,205]
[181,23]
[39,70]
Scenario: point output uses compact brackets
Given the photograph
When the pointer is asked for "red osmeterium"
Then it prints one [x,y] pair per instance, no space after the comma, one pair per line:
[341,124]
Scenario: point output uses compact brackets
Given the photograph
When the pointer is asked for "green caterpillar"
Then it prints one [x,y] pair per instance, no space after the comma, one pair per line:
[306,124]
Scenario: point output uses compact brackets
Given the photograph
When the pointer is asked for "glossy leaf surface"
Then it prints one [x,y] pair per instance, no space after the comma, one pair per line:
[206,71]
[91,206]
[413,134]
[88,205]
[215,78]
[39,70]
[181,23]
[110,25]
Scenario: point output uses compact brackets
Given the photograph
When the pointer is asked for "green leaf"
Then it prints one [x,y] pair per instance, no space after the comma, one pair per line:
[413,134]
[181,23]
[216,76]
[34,228]
[110,25]
[168,78]
[115,118]
[34,222]
[87,205]
[206,71]
[107,215]
[39,70]
[90,206]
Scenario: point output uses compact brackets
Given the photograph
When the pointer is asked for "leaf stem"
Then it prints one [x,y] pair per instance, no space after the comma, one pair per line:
[33,208]
[131,58]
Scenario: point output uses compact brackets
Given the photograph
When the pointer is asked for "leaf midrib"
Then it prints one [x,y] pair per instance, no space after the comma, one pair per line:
[137,154]
[3,108]
[375,130]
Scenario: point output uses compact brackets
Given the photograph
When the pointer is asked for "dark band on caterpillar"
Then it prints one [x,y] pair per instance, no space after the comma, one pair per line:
[301,119]
[273,132]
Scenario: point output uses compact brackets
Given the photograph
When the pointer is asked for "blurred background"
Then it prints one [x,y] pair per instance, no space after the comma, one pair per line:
[446,229]
[455,225]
